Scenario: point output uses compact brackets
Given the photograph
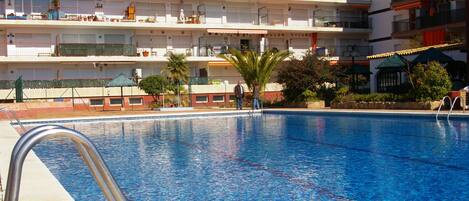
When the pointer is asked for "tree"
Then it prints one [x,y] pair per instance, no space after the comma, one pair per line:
[431,82]
[177,71]
[309,74]
[255,69]
[155,85]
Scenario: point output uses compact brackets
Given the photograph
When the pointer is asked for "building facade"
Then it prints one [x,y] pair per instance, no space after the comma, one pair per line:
[70,40]
[408,27]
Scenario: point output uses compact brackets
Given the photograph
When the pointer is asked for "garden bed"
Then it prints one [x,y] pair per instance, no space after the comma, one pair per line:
[428,105]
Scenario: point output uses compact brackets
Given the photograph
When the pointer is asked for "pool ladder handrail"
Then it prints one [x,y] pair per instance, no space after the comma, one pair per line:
[85,148]
[452,106]
[442,102]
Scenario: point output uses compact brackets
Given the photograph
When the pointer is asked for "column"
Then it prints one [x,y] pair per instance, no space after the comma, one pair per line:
[263,44]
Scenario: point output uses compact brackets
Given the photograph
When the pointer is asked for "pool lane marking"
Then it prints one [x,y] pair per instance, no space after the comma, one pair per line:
[406,158]
[303,183]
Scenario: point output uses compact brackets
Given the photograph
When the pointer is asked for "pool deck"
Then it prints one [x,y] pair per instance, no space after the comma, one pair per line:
[38,183]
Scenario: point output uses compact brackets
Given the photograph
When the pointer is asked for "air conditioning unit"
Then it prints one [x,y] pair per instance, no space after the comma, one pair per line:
[137,72]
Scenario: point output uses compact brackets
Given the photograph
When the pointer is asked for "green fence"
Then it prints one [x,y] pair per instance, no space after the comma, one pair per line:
[77,49]
[44,84]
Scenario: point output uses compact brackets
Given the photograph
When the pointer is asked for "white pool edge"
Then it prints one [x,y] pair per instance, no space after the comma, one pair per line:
[37,182]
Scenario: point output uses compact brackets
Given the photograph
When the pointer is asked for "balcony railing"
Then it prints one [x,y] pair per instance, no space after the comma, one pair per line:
[402,1]
[344,51]
[80,49]
[439,19]
[344,22]
[215,50]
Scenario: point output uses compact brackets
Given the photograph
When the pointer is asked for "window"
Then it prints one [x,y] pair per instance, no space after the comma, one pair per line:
[232,98]
[32,40]
[218,99]
[31,6]
[79,38]
[201,99]
[135,101]
[96,102]
[116,101]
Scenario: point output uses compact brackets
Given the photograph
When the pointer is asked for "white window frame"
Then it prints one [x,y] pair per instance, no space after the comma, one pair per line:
[205,101]
[96,105]
[111,104]
[218,101]
[140,98]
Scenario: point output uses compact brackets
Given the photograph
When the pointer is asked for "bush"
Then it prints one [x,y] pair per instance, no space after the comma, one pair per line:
[309,74]
[431,82]
[373,97]
[155,85]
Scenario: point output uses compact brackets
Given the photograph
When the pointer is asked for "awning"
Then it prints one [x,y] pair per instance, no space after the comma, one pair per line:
[219,63]
[121,81]
[395,62]
[237,31]
[432,54]
[407,5]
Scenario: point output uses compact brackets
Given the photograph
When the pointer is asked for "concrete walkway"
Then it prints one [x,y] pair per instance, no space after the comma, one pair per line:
[37,182]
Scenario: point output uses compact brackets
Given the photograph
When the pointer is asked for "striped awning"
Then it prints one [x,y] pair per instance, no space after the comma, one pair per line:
[237,31]
[407,5]
[417,50]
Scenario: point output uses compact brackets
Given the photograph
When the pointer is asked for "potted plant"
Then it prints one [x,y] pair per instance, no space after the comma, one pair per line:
[145,53]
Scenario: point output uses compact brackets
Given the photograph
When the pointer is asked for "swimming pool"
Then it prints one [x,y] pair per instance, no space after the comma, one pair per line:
[276,156]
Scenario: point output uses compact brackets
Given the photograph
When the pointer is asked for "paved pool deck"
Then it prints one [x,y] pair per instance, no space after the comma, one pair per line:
[38,183]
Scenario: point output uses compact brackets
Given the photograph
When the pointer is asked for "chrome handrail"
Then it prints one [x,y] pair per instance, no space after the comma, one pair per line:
[452,106]
[85,147]
[442,102]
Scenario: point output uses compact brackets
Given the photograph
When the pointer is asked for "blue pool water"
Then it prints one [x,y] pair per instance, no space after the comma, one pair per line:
[275,156]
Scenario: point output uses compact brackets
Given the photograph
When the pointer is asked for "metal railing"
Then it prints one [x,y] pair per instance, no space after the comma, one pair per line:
[85,147]
[442,18]
[442,102]
[48,84]
[452,106]
[82,49]
[344,51]
[344,22]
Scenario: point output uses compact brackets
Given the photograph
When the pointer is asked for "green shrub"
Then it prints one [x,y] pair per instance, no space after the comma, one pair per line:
[309,73]
[373,97]
[431,82]
[155,85]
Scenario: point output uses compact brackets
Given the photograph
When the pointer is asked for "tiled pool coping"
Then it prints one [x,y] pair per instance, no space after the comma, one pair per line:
[36,175]
[37,182]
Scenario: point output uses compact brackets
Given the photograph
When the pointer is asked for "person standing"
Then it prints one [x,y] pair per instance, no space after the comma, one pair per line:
[239,94]
[256,95]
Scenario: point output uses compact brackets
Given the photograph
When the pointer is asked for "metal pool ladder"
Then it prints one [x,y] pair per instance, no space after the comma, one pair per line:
[85,148]
[442,102]
[452,106]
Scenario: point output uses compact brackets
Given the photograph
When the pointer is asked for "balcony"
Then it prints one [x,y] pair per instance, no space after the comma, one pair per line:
[82,50]
[343,22]
[344,51]
[440,19]
[215,50]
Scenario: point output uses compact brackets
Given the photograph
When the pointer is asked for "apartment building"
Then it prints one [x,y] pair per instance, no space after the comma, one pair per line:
[409,27]
[71,40]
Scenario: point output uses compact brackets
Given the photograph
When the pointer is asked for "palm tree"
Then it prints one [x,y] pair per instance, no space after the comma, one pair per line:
[177,71]
[255,69]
